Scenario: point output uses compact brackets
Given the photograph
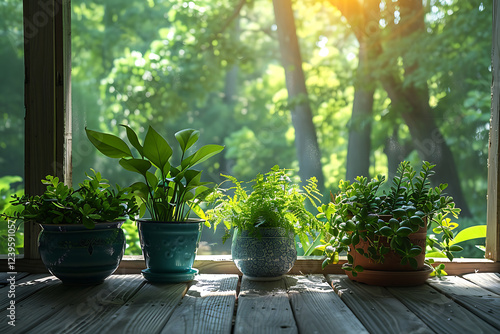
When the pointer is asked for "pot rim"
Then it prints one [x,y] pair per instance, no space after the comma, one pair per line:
[188,221]
[98,226]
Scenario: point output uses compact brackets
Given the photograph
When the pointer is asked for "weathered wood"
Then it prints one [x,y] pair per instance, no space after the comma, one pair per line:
[318,309]
[47,99]
[146,312]
[493,204]
[207,307]
[27,286]
[441,313]
[208,264]
[489,281]
[43,305]
[377,309]
[92,311]
[264,307]
[483,303]
[17,276]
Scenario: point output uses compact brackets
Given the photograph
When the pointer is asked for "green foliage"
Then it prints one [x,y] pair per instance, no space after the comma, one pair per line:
[357,212]
[94,201]
[173,61]
[170,192]
[7,190]
[274,201]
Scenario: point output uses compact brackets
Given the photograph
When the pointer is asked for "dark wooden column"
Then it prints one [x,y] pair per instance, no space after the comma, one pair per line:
[47,57]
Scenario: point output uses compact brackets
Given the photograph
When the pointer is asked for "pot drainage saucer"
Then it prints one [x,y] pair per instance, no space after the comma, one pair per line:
[392,278]
[180,277]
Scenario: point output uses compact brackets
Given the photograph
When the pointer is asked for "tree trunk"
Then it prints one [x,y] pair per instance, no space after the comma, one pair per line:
[359,144]
[409,100]
[306,143]
[427,137]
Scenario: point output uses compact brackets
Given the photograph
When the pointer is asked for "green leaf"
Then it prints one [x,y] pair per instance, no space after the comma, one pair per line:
[109,145]
[140,189]
[314,245]
[415,251]
[201,155]
[470,233]
[187,138]
[136,165]
[132,137]
[404,231]
[358,268]
[456,248]
[152,180]
[156,149]
[386,231]
[398,213]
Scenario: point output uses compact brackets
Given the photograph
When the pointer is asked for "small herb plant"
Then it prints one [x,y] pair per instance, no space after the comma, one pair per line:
[356,213]
[274,201]
[168,192]
[94,201]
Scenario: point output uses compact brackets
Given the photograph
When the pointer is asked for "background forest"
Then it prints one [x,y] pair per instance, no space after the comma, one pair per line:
[328,88]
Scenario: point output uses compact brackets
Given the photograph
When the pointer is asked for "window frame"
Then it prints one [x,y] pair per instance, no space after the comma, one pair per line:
[47,28]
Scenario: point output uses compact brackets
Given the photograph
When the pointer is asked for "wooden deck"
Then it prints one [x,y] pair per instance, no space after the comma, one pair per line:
[229,304]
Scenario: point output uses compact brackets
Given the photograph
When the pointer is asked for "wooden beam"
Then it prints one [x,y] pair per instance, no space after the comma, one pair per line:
[47,99]
[493,215]
[222,264]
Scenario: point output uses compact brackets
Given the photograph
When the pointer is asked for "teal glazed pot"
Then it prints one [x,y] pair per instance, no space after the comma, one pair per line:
[267,257]
[78,255]
[169,249]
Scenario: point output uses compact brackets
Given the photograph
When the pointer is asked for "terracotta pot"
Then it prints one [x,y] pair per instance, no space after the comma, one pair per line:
[392,261]
[391,272]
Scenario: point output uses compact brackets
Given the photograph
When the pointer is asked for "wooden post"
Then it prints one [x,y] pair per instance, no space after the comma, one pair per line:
[493,229]
[47,99]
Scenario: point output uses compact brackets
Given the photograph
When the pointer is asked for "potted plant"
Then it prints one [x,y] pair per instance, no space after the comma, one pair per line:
[265,222]
[81,241]
[385,235]
[169,238]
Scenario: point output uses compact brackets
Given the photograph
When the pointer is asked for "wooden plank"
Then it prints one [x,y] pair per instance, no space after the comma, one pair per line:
[4,276]
[264,307]
[318,309]
[439,312]
[27,286]
[489,281]
[377,309]
[493,204]
[42,305]
[88,313]
[483,303]
[213,264]
[207,307]
[46,95]
[146,312]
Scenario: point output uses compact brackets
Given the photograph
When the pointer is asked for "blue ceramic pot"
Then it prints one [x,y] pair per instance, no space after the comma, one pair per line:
[78,255]
[169,248]
[266,257]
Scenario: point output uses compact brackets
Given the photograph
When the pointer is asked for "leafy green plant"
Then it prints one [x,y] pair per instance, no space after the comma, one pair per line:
[94,201]
[357,213]
[274,201]
[8,188]
[170,192]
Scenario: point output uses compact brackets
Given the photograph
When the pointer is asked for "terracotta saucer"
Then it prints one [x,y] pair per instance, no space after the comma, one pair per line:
[392,278]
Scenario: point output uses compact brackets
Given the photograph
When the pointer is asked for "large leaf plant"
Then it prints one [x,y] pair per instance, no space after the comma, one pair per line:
[169,193]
